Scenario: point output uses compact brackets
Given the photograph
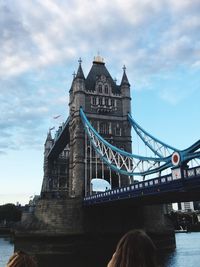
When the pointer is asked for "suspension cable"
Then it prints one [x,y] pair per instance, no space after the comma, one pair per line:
[102,169]
[96,166]
[90,165]
[85,164]
[110,177]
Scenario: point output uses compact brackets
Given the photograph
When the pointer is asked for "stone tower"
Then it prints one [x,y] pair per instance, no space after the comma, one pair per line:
[106,105]
[60,209]
[56,172]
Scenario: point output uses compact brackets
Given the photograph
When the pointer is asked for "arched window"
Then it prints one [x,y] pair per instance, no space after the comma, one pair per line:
[112,102]
[100,88]
[106,89]
[106,101]
[94,100]
[118,130]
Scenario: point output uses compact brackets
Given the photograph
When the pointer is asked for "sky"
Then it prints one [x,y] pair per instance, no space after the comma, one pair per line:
[41,41]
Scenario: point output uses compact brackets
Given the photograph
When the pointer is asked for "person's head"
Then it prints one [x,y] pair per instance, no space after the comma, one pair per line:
[21,259]
[135,249]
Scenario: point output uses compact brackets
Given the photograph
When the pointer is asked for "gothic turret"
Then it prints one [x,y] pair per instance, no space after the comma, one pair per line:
[80,74]
[48,143]
[124,78]
[47,147]
[77,91]
[78,83]
[125,90]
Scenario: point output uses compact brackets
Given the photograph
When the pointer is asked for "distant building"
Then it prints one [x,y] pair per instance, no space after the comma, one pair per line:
[34,200]
[186,206]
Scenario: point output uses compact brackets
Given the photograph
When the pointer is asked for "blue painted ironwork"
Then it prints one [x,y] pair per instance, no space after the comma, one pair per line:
[119,160]
[114,148]
[192,148]
[126,163]
[147,138]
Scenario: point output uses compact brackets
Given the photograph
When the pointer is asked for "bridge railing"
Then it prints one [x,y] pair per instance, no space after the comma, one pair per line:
[192,172]
[151,186]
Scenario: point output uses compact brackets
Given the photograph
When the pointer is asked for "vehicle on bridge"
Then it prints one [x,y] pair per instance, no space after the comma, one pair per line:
[99,185]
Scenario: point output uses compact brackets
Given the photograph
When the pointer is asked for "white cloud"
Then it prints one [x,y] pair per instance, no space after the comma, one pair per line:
[53,31]
[150,37]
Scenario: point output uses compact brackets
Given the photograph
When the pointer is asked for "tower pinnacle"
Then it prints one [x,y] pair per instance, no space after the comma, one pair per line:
[80,74]
[98,59]
[124,77]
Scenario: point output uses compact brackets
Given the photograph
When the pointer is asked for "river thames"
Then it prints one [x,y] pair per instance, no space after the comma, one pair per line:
[187,252]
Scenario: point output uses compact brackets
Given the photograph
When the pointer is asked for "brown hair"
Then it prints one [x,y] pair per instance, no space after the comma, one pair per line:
[21,259]
[135,249]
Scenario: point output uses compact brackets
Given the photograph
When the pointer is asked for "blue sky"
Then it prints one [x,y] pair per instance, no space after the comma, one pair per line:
[41,42]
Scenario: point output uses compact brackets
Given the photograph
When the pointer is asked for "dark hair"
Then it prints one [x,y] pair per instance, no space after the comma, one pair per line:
[21,259]
[135,249]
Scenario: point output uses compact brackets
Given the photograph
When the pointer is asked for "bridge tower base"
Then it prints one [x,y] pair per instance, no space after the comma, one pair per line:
[67,220]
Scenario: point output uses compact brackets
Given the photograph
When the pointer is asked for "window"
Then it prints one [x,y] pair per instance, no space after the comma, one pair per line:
[104,128]
[100,101]
[106,89]
[112,102]
[118,130]
[100,88]
[106,101]
[62,169]
[94,100]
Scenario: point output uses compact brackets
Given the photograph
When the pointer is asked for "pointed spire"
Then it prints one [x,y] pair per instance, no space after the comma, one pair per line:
[74,75]
[48,143]
[49,137]
[80,74]
[124,77]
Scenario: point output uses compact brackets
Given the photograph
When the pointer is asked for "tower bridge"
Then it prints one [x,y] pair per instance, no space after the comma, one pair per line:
[94,146]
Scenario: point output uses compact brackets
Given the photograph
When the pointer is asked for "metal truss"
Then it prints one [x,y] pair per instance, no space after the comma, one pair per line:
[120,160]
[135,165]
[158,147]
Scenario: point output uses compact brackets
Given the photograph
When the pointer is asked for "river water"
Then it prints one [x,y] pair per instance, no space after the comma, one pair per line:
[187,253]
[6,250]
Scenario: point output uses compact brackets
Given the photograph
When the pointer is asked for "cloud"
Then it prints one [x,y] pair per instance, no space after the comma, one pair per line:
[39,33]
[26,109]
[40,40]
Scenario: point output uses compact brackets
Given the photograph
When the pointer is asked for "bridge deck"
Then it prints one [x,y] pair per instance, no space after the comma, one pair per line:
[165,189]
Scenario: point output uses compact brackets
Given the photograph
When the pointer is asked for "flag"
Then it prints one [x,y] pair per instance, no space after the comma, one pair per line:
[56,117]
[52,128]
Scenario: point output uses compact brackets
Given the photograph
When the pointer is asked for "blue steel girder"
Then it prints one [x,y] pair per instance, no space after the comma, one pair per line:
[148,139]
[189,156]
[121,161]
[112,155]
[186,154]
[192,148]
